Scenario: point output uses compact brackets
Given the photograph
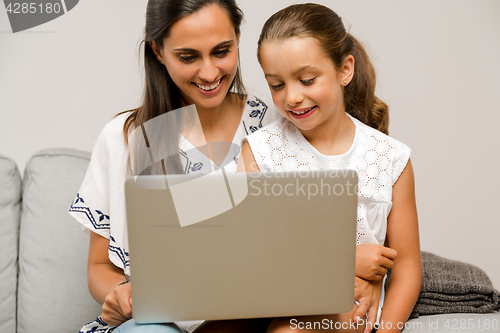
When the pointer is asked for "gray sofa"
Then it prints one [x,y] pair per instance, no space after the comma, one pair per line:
[43,253]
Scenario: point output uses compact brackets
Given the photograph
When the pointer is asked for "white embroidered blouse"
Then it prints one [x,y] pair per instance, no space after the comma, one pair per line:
[378,159]
[100,202]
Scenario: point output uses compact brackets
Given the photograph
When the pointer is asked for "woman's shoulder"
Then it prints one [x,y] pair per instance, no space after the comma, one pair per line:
[115,125]
[112,132]
[111,140]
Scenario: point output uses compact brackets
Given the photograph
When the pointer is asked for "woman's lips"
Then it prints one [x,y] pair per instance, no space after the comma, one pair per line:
[210,89]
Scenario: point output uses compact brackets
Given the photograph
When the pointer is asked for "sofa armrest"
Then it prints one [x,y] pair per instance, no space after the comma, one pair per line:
[10,203]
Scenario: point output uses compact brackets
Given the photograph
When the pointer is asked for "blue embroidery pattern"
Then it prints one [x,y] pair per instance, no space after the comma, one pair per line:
[121,253]
[188,162]
[97,325]
[197,166]
[260,109]
[255,113]
[88,213]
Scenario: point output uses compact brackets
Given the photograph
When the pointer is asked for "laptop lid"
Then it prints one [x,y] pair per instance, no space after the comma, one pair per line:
[227,246]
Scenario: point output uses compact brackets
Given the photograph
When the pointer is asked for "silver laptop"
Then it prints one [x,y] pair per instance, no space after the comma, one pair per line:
[227,246]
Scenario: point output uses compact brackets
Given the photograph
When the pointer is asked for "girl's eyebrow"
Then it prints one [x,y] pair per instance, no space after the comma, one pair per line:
[294,72]
[184,49]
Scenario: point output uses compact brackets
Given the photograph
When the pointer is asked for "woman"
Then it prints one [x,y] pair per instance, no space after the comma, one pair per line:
[191,57]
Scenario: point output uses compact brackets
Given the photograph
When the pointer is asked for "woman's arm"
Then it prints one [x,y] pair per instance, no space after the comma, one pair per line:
[402,235]
[104,280]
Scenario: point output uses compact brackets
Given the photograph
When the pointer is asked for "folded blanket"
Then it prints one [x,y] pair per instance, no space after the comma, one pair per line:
[450,286]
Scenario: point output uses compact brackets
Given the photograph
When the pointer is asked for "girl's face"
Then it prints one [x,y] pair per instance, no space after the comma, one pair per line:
[304,83]
[201,55]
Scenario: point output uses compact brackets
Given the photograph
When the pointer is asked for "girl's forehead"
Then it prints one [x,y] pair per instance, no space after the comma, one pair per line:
[206,27]
[292,54]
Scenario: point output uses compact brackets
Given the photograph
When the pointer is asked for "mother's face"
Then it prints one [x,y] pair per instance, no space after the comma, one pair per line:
[201,55]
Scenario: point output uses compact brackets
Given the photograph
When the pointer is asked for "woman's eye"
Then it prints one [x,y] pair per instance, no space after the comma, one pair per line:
[308,81]
[222,53]
[276,86]
[187,59]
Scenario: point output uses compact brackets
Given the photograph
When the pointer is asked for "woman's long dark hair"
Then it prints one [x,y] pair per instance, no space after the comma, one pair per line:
[323,24]
[161,95]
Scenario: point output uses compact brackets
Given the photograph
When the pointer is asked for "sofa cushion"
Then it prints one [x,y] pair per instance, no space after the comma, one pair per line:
[53,294]
[10,203]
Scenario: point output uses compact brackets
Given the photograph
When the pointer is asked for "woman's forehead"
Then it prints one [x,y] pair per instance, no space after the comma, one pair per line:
[205,28]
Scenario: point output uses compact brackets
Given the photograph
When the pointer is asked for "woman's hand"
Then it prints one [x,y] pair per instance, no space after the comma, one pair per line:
[117,307]
[367,293]
[373,261]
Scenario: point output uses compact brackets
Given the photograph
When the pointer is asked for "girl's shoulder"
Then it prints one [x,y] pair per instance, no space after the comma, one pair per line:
[371,138]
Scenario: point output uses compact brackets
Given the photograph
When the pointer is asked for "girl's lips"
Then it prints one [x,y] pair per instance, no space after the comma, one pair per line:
[213,91]
[302,113]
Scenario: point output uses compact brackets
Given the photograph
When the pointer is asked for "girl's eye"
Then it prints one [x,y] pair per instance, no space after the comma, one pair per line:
[187,59]
[308,81]
[222,53]
[276,86]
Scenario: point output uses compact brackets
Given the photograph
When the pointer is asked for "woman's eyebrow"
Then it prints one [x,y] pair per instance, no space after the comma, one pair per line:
[185,49]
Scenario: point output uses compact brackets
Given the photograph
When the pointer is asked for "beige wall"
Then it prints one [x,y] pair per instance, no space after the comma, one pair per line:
[438,69]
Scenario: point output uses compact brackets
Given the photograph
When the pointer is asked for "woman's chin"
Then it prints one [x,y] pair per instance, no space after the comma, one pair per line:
[208,102]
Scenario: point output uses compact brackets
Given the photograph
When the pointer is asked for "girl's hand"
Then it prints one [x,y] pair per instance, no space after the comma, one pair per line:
[117,307]
[367,293]
[373,261]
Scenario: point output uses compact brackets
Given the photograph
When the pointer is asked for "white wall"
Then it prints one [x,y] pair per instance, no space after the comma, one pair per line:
[438,69]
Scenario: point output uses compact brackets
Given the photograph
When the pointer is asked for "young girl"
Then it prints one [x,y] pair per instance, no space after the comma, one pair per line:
[323,83]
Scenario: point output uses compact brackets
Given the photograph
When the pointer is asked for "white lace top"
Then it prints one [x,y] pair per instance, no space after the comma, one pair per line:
[378,159]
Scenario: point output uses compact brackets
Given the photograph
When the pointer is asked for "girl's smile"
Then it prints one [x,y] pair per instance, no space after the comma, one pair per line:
[302,113]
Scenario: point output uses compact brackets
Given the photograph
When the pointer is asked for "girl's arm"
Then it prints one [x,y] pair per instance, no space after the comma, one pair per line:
[246,161]
[402,235]
[104,280]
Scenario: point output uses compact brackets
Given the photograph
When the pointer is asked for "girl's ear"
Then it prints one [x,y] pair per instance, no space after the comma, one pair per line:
[238,38]
[157,51]
[347,71]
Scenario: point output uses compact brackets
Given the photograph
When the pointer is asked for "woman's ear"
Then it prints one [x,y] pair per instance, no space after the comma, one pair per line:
[238,38]
[157,51]
[347,70]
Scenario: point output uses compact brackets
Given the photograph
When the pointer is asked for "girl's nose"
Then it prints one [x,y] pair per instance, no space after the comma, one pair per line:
[293,95]
[208,71]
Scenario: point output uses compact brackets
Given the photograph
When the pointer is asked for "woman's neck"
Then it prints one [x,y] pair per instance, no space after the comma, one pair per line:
[210,118]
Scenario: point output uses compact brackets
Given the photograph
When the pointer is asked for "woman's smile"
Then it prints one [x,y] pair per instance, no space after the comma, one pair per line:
[211,88]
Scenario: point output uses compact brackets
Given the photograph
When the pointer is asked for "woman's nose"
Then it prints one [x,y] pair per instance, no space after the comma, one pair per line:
[208,71]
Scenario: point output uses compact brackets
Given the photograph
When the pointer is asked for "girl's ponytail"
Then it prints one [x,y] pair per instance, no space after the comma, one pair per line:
[359,95]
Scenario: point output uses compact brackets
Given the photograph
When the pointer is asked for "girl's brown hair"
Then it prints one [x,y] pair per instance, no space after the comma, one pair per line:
[323,24]
[161,95]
